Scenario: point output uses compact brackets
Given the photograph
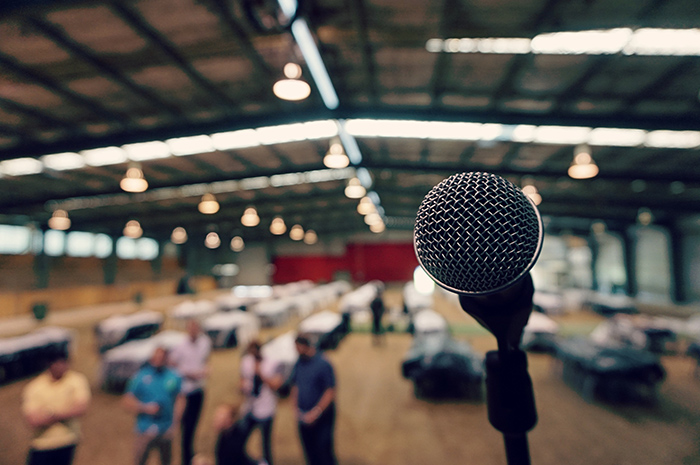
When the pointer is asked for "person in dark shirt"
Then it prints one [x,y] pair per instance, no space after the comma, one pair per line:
[313,396]
[377,307]
[233,433]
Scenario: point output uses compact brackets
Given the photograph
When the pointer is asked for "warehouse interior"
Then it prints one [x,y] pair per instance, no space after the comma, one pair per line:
[149,145]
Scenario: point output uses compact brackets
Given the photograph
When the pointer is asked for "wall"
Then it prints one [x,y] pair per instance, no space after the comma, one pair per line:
[77,282]
[387,262]
[653,265]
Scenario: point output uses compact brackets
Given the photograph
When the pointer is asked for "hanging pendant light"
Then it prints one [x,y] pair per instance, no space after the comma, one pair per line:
[178,236]
[59,220]
[366,206]
[377,227]
[277,227]
[212,241]
[355,189]
[310,237]
[335,157]
[237,244]
[133,181]
[133,229]
[250,217]
[292,88]
[296,233]
[583,166]
[208,205]
[531,191]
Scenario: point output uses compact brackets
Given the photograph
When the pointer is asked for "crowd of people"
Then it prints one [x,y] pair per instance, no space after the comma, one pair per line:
[167,394]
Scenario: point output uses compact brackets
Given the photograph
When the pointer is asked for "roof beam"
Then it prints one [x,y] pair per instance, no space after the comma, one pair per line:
[62,39]
[28,74]
[359,18]
[443,61]
[542,172]
[223,10]
[140,25]
[32,112]
[518,62]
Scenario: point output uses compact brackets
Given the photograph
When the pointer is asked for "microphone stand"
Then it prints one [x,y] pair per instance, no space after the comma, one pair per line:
[509,394]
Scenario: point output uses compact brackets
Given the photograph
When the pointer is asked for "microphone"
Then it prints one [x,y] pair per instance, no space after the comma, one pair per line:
[478,235]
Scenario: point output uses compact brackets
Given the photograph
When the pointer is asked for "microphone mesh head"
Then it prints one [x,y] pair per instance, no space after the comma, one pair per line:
[477,233]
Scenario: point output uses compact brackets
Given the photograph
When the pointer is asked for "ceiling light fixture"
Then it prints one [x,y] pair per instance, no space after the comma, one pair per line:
[377,227]
[250,217]
[277,227]
[373,218]
[59,220]
[366,206]
[335,157]
[310,237]
[583,166]
[133,229]
[355,189]
[133,181]
[296,233]
[178,236]
[531,191]
[212,241]
[292,88]
[237,243]
[208,205]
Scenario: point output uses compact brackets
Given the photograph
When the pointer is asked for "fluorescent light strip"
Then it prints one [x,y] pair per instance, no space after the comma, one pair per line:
[197,190]
[348,130]
[313,59]
[63,161]
[564,135]
[645,41]
[21,167]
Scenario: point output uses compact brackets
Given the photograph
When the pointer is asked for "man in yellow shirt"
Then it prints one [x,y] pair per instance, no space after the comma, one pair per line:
[51,404]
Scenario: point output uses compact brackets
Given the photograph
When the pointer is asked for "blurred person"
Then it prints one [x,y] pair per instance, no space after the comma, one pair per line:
[377,307]
[154,395]
[189,359]
[231,437]
[52,404]
[260,380]
[313,397]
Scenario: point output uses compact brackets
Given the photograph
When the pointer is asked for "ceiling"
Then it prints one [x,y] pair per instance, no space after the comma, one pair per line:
[79,75]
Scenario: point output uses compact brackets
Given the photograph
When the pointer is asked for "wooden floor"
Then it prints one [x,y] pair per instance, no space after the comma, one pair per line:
[381,423]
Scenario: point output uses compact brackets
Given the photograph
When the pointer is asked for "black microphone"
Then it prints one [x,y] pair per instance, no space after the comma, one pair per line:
[478,235]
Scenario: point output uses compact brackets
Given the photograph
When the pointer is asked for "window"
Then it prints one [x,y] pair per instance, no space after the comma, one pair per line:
[126,248]
[79,244]
[54,243]
[146,249]
[14,240]
[103,246]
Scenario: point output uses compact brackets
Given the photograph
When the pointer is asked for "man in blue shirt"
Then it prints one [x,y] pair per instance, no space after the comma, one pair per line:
[154,395]
[313,396]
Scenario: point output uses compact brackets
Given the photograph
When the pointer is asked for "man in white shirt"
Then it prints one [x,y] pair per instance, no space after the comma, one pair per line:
[260,380]
[190,359]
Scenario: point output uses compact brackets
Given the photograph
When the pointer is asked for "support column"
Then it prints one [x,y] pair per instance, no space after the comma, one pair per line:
[629,246]
[593,246]
[676,253]
[109,265]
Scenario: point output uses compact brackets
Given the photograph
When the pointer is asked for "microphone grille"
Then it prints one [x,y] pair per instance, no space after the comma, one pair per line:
[477,233]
